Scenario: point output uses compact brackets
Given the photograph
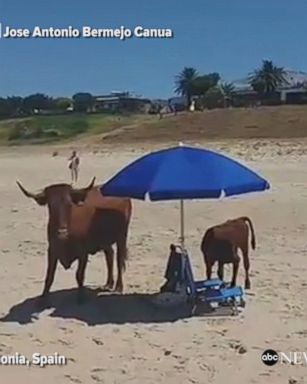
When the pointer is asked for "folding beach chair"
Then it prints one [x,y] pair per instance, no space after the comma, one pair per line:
[213,293]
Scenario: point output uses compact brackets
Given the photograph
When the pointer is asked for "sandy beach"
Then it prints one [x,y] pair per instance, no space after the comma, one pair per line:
[123,339]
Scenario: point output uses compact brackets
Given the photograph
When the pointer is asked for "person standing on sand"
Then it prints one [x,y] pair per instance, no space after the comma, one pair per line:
[74,166]
[192,106]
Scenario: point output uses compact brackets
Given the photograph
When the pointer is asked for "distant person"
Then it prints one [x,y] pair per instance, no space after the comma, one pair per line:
[192,106]
[160,111]
[74,163]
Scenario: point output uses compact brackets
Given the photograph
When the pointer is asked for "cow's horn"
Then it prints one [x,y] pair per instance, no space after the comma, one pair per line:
[91,184]
[27,193]
[85,189]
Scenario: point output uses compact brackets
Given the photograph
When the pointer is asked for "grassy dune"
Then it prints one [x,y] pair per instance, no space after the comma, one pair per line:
[47,129]
[265,122]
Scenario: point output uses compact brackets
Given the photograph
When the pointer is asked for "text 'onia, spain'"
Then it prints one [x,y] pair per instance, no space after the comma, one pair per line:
[37,359]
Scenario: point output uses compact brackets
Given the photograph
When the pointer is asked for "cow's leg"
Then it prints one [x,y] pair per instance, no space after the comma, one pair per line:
[80,276]
[52,263]
[220,271]
[246,266]
[121,258]
[236,262]
[110,262]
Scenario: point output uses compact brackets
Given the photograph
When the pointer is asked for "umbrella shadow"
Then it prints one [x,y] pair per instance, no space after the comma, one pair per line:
[98,309]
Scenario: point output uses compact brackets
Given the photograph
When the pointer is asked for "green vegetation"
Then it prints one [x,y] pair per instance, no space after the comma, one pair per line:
[83,101]
[45,129]
[218,124]
[266,79]
[39,118]
[189,84]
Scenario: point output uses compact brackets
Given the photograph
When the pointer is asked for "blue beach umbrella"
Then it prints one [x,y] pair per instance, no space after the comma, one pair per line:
[183,173]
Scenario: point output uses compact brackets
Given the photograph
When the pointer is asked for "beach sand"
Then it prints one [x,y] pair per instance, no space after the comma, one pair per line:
[123,339]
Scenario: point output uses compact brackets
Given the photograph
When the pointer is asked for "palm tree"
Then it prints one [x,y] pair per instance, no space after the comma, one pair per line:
[184,83]
[227,90]
[267,78]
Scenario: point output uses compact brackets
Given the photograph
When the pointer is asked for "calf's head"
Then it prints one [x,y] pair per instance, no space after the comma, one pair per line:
[59,198]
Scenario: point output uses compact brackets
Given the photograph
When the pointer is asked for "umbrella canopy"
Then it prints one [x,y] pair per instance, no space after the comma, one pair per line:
[181,173]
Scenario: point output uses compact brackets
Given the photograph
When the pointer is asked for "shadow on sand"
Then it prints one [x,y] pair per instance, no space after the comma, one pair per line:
[98,309]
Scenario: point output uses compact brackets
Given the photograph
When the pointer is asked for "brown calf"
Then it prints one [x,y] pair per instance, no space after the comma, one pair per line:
[220,244]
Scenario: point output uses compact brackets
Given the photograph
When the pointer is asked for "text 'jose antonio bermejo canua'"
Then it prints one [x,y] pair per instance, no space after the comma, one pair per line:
[120,33]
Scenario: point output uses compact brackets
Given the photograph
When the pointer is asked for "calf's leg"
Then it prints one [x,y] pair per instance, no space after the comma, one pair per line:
[236,263]
[220,271]
[246,266]
[209,265]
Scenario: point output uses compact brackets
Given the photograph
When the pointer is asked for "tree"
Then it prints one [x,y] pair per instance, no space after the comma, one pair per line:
[15,105]
[214,98]
[266,79]
[3,107]
[11,106]
[201,84]
[37,101]
[227,90]
[83,101]
[184,83]
[62,103]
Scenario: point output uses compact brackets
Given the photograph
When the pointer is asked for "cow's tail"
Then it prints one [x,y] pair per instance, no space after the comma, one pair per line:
[253,237]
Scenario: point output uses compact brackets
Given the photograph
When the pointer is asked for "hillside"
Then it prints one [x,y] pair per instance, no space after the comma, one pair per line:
[265,122]
[254,123]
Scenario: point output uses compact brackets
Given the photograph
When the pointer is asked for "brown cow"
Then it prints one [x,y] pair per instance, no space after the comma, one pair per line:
[83,222]
[221,243]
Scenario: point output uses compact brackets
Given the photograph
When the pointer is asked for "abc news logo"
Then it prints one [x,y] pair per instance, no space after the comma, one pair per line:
[271,357]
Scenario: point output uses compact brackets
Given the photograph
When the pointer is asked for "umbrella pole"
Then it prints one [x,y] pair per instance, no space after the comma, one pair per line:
[182,224]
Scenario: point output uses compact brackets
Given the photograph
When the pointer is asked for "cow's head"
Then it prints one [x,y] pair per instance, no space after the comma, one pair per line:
[59,198]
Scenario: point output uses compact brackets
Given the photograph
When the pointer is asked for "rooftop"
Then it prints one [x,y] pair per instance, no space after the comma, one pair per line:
[295,80]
